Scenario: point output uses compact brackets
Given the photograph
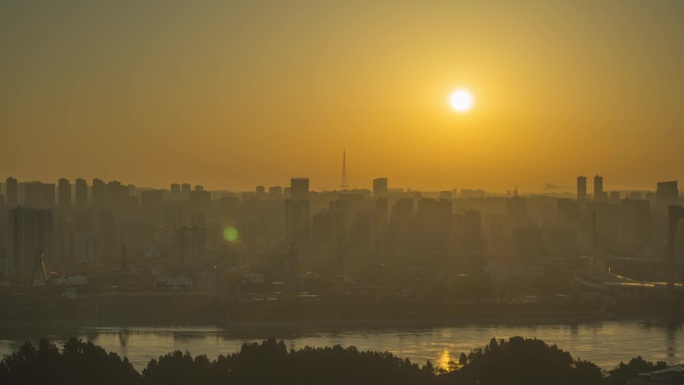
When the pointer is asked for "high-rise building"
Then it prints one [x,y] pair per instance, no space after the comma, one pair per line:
[138,236]
[342,212]
[39,195]
[260,192]
[175,192]
[200,197]
[381,223]
[567,214]
[299,188]
[173,220]
[599,195]
[323,232]
[116,195]
[81,193]
[614,196]
[472,231]
[297,222]
[275,192]
[64,193]
[29,230]
[190,244]
[516,209]
[185,191]
[379,187]
[151,199]
[635,195]
[402,231]
[667,193]
[11,191]
[403,208]
[99,193]
[47,195]
[32,194]
[433,225]
[581,188]
[528,243]
[633,224]
[198,219]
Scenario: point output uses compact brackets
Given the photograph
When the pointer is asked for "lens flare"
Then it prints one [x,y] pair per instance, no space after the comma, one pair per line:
[230,234]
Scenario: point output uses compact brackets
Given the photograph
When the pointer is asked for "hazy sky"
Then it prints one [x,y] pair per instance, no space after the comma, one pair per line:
[234,94]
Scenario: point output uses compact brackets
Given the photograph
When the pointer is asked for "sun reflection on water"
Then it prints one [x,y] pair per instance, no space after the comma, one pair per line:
[446,362]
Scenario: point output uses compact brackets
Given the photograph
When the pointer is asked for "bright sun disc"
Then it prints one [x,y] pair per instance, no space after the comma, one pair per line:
[461,100]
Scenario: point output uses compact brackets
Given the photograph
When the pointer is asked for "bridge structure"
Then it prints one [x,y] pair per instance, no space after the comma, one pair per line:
[674,215]
[601,277]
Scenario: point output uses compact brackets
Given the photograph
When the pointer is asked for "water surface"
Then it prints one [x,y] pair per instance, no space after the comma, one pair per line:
[605,343]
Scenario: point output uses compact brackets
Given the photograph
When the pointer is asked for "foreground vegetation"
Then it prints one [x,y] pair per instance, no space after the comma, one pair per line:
[513,361]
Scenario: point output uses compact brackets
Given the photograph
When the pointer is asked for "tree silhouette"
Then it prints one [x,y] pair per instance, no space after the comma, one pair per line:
[515,361]
[623,372]
[524,362]
[78,363]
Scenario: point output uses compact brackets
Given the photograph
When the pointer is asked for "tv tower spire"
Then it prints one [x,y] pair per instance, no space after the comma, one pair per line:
[343,184]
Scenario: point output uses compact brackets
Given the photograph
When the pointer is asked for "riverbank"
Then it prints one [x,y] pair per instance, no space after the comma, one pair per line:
[505,318]
[161,310]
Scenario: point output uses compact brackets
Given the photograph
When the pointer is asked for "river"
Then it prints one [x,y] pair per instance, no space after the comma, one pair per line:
[605,343]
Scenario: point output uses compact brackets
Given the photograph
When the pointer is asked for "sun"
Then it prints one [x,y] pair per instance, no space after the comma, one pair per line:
[461,100]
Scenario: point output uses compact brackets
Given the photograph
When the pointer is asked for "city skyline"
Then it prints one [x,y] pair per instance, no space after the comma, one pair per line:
[578,190]
[361,185]
[234,95]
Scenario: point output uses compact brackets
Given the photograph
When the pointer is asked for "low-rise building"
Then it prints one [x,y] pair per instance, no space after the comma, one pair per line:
[501,272]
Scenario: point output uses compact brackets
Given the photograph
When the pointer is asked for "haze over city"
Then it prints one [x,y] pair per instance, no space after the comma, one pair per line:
[341,192]
[232,95]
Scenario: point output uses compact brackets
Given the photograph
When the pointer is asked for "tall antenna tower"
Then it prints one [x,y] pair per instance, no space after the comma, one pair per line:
[343,184]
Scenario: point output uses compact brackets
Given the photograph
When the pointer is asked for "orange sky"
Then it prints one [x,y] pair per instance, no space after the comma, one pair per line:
[243,93]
